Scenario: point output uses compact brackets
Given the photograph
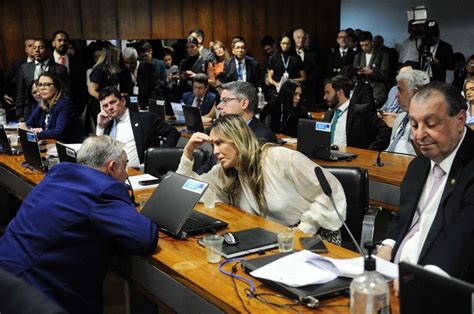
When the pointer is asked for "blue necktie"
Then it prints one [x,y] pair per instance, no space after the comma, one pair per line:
[113,130]
[398,136]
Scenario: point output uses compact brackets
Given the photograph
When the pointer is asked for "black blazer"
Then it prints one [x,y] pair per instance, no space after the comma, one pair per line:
[148,81]
[363,128]
[336,63]
[254,74]
[77,77]
[25,80]
[149,131]
[450,241]
[445,55]
[379,64]
[363,94]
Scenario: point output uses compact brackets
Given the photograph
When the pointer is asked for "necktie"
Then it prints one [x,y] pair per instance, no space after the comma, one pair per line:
[398,136]
[62,60]
[333,124]
[239,71]
[438,175]
[198,102]
[38,70]
[113,130]
[343,54]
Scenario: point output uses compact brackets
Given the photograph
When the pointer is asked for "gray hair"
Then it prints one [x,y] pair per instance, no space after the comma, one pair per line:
[243,90]
[415,79]
[98,150]
[129,52]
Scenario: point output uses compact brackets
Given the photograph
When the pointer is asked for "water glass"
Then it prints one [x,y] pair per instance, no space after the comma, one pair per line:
[213,244]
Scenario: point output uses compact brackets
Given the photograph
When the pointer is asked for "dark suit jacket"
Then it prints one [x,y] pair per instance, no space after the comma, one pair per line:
[445,55]
[450,241]
[336,63]
[77,78]
[149,131]
[254,74]
[207,102]
[25,80]
[363,128]
[148,82]
[363,94]
[379,63]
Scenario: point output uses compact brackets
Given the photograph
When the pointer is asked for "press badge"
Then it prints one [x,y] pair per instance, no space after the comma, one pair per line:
[194,186]
[135,90]
[323,126]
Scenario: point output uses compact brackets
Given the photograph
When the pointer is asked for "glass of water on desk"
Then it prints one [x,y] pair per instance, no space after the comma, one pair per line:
[213,244]
[285,239]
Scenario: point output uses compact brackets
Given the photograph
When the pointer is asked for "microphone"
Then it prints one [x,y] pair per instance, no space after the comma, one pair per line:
[378,162]
[328,191]
[132,196]
[13,108]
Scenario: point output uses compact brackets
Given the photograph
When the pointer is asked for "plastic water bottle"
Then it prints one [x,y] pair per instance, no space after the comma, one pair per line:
[261,98]
[370,293]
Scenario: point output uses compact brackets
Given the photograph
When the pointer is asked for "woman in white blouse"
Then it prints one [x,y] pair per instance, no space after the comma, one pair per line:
[267,180]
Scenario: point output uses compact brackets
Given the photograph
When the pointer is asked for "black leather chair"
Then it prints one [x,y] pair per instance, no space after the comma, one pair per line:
[360,218]
[159,160]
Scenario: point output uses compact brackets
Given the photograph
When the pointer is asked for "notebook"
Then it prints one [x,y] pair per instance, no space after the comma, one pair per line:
[5,146]
[157,107]
[314,140]
[422,291]
[66,152]
[250,241]
[172,204]
[304,294]
[31,150]
[178,112]
[192,116]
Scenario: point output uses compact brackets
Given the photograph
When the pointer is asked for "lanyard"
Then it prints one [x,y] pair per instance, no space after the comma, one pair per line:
[285,64]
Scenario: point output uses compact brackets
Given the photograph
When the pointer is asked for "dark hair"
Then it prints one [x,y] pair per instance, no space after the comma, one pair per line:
[193,40]
[201,78]
[471,58]
[452,97]
[340,82]
[238,40]
[243,90]
[365,36]
[60,32]
[54,77]
[109,91]
[287,92]
[198,32]
[46,43]
[292,50]
[143,47]
[267,40]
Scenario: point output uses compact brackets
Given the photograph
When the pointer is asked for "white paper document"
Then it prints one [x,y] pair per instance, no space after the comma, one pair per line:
[306,268]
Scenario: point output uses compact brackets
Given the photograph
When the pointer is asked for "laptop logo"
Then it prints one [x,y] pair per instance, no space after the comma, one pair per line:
[31,137]
[194,186]
[323,126]
[70,152]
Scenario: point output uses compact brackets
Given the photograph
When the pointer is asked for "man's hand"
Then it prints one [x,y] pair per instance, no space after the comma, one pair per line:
[37,130]
[8,99]
[102,119]
[365,71]
[206,122]
[385,252]
[194,142]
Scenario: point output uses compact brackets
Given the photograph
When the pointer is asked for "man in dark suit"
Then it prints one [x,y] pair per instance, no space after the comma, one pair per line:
[443,60]
[75,69]
[139,78]
[145,53]
[31,71]
[309,57]
[138,131]
[341,56]
[435,226]
[242,67]
[201,97]
[352,124]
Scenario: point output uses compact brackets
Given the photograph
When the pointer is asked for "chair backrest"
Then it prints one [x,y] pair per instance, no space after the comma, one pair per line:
[160,160]
[355,182]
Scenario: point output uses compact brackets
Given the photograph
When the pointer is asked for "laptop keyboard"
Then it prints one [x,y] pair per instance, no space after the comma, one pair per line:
[193,223]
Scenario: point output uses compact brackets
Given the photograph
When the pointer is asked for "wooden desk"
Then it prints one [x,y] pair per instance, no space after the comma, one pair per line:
[389,118]
[178,274]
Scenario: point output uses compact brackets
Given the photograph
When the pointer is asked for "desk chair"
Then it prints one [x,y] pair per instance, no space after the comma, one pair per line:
[159,160]
[360,217]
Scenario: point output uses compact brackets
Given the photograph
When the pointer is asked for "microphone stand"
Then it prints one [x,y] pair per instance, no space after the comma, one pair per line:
[378,162]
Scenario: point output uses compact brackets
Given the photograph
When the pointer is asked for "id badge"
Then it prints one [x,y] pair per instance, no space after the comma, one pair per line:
[135,90]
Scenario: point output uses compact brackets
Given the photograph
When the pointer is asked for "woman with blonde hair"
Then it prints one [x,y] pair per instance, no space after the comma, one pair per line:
[222,55]
[469,95]
[56,116]
[268,180]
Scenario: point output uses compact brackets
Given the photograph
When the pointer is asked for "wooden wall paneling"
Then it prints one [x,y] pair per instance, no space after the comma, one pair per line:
[166,19]
[329,17]
[204,20]
[99,19]
[253,25]
[232,20]
[31,18]
[280,17]
[219,19]
[12,35]
[61,15]
[300,9]
[190,16]
[134,19]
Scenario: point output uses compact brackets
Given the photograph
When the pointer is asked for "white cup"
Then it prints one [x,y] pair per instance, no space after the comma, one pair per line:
[209,199]
[213,244]
[285,239]
[13,139]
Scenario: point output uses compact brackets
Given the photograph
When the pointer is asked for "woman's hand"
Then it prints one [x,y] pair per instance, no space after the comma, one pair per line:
[37,130]
[385,252]
[194,142]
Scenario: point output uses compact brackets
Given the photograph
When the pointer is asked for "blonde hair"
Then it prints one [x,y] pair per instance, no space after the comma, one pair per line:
[218,43]
[250,153]
[109,58]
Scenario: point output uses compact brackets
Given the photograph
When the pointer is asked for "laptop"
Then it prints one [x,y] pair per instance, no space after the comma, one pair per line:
[423,291]
[314,140]
[178,112]
[192,116]
[157,107]
[303,294]
[5,146]
[66,153]
[31,151]
[171,207]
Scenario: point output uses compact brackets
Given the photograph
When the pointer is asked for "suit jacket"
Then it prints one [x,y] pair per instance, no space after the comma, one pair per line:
[363,94]
[207,102]
[148,82]
[63,247]
[363,128]
[444,53]
[450,241]
[254,74]
[407,147]
[149,131]
[64,124]
[379,63]
[25,80]
[77,77]
[336,63]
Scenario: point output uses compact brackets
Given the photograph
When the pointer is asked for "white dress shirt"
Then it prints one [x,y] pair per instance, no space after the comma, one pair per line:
[368,56]
[244,70]
[340,136]
[66,59]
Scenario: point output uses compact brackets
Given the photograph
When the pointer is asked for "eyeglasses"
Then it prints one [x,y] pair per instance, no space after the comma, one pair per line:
[46,85]
[225,101]
[471,64]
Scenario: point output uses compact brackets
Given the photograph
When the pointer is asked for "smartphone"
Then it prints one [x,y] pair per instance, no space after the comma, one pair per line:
[313,244]
[149,182]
